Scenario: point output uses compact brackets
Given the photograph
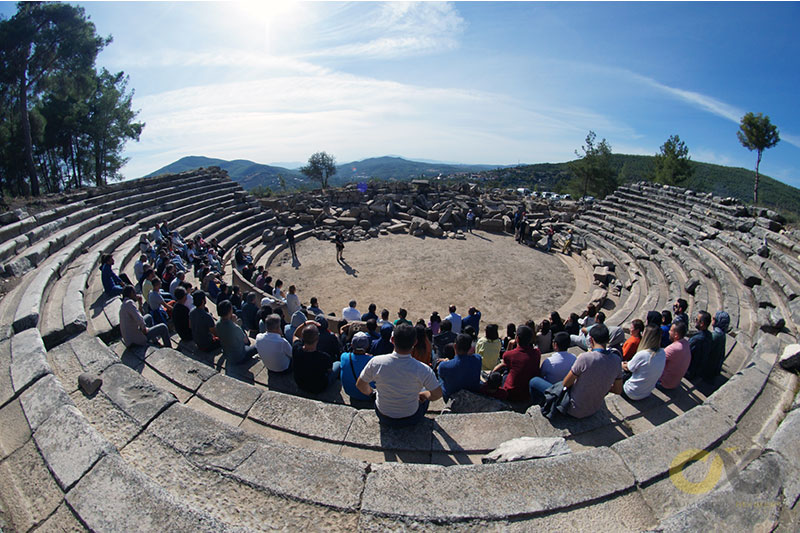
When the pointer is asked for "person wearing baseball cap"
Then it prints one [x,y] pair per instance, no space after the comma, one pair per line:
[353,362]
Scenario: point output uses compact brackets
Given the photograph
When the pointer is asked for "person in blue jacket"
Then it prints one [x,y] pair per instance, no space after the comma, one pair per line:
[113,284]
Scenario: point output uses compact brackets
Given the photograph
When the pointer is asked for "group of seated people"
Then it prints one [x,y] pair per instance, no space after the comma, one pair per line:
[385,360]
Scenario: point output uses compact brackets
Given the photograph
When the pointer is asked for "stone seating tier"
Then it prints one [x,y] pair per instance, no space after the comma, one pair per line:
[49,238]
[730,295]
[154,435]
[80,461]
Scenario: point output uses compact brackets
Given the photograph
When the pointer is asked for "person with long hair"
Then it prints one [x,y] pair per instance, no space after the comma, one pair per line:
[545,337]
[509,341]
[645,367]
[423,348]
[556,322]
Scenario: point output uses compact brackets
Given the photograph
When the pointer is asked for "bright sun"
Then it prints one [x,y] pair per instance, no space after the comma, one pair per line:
[266,24]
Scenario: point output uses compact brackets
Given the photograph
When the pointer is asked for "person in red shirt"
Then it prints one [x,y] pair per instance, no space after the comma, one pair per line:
[522,365]
[631,345]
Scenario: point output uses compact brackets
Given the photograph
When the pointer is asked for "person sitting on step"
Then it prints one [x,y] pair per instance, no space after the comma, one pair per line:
[404,386]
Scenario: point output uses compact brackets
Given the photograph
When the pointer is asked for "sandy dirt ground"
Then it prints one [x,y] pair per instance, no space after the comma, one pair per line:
[506,281]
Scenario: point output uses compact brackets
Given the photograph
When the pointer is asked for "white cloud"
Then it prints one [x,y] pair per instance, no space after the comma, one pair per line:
[707,103]
[395,29]
[289,117]
[794,140]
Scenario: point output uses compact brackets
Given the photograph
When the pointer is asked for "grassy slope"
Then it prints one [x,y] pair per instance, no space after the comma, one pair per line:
[717,179]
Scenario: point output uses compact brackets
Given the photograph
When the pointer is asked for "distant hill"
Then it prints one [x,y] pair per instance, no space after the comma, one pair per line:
[247,173]
[251,175]
[717,179]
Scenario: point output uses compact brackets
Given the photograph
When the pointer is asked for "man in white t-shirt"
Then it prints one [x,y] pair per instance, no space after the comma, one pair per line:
[350,313]
[405,387]
[455,320]
[274,350]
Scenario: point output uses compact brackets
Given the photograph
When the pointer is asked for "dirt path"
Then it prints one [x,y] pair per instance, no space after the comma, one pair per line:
[506,281]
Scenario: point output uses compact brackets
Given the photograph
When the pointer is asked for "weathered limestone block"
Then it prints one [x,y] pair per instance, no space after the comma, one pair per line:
[42,399]
[601,274]
[70,445]
[135,395]
[105,496]
[771,319]
[28,358]
[493,225]
[348,222]
[434,230]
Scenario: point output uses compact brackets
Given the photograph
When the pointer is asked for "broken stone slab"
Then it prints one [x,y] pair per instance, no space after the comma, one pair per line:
[771,320]
[524,448]
[70,445]
[435,230]
[598,297]
[397,228]
[105,496]
[763,296]
[92,353]
[492,225]
[790,360]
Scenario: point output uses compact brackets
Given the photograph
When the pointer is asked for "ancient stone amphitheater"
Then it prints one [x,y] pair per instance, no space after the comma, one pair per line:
[171,444]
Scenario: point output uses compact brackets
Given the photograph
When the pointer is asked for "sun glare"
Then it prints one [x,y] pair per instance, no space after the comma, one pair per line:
[266,25]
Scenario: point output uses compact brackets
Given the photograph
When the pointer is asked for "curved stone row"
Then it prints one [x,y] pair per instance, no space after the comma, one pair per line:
[93,459]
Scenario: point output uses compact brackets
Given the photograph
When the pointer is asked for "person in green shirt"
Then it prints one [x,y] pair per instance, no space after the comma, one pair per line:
[236,347]
[402,314]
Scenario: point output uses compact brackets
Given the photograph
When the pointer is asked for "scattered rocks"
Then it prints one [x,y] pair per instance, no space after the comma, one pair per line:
[691,285]
[790,360]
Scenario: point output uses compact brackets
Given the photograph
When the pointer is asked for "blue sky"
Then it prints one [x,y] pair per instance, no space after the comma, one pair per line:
[471,82]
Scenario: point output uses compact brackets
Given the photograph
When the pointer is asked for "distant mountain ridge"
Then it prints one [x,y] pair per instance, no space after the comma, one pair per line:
[251,175]
[718,179]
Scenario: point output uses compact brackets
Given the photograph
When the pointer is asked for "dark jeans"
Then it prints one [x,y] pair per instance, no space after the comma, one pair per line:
[416,418]
[537,386]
